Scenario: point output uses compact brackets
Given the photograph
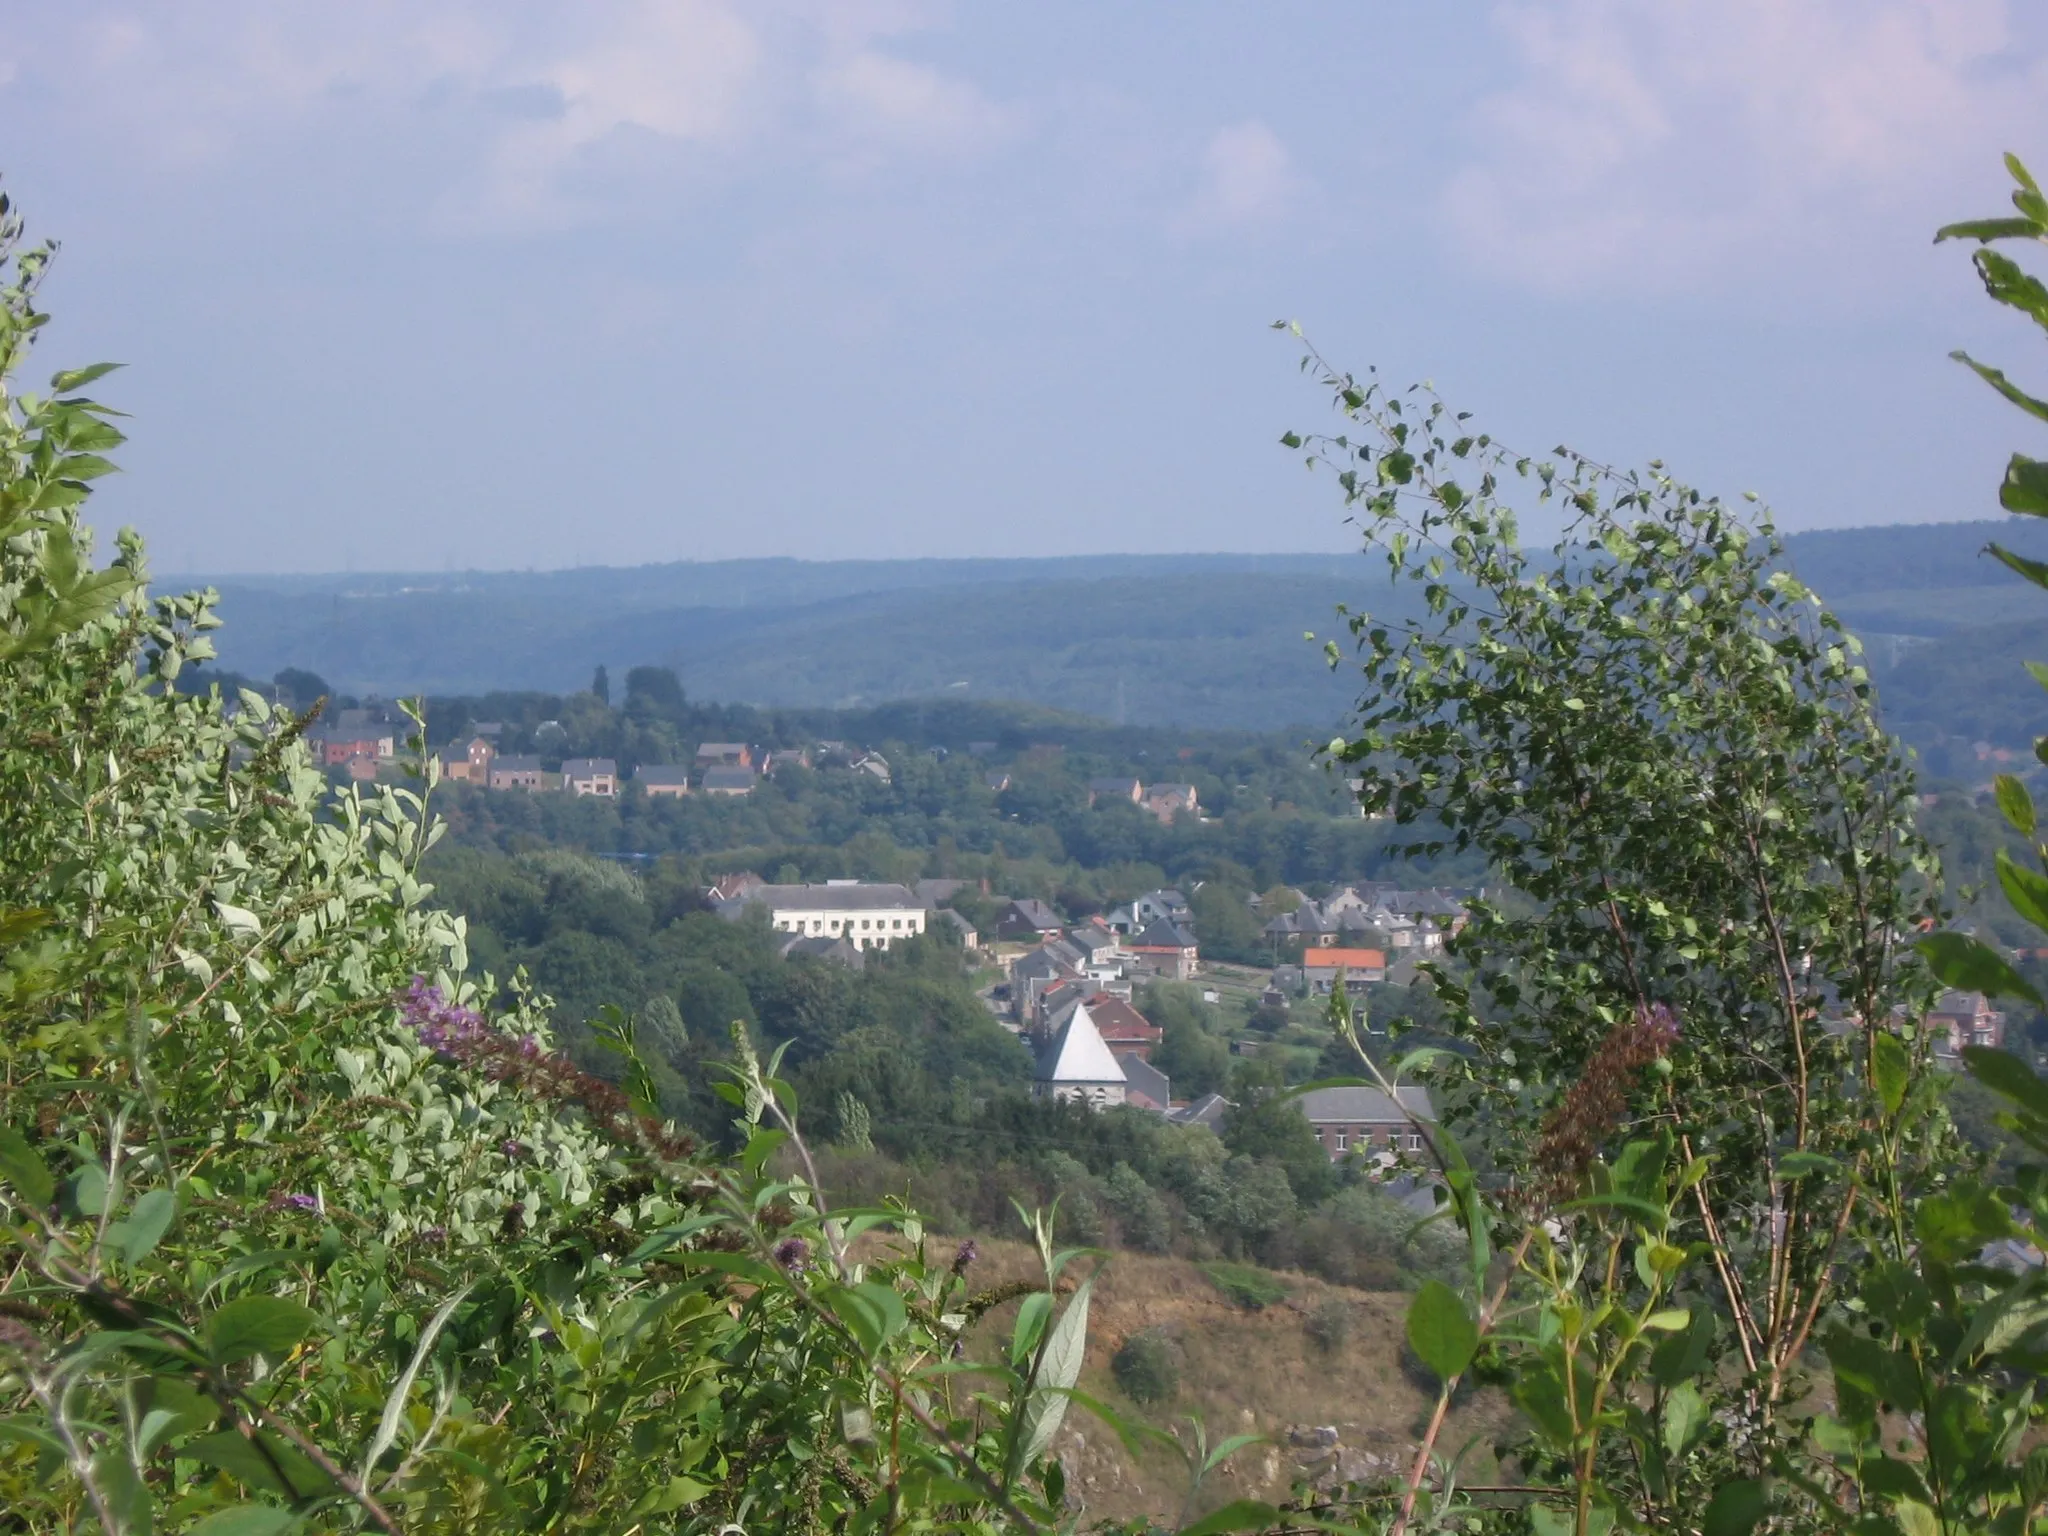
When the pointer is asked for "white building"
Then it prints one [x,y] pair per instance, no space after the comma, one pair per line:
[1078,1065]
[866,916]
[591,776]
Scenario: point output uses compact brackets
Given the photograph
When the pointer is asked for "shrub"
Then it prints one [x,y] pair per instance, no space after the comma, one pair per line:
[1329,1324]
[1145,1367]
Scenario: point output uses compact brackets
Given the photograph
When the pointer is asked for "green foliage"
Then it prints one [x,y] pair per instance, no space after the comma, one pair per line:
[1329,1325]
[1252,1289]
[1146,1368]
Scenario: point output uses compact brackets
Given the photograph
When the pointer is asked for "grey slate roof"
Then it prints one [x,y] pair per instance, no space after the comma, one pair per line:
[831,898]
[1162,936]
[662,775]
[730,778]
[1364,1106]
[1147,1079]
[515,765]
[589,767]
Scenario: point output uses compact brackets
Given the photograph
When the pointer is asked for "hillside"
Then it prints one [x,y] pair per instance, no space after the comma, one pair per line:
[1245,1372]
[1185,640]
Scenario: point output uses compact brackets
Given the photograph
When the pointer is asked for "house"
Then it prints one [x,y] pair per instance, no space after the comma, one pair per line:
[725,754]
[1206,1111]
[729,779]
[874,765]
[1129,791]
[1145,1086]
[1321,967]
[1127,1032]
[468,762]
[1027,918]
[519,773]
[591,776]
[1078,1067]
[934,892]
[659,779]
[1961,1019]
[997,780]
[1167,949]
[336,746]
[1161,907]
[946,917]
[726,887]
[785,757]
[1355,1120]
[866,916]
[1167,801]
[362,768]
[828,947]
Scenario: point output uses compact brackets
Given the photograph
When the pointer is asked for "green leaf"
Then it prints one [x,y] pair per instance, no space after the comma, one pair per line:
[1989,229]
[1059,1368]
[2008,1076]
[77,378]
[1890,1070]
[1031,1315]
[258,1325]
[1970,965]
[1238,1515]
[247,1520]
[2026,889]
[2025,489]
[1734,1509]
[1797,1165]
[25,1168]
[2016,804]
[401,1390]
[1441,1330]
[276,1466]
[1685,1415]
[147,1224]
[2029,570]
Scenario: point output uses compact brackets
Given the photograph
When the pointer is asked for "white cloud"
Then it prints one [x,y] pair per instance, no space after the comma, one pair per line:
[1672,142]
[1247,177]
[561,98]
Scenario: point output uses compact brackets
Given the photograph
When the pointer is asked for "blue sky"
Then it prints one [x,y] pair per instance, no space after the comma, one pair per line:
[420,285]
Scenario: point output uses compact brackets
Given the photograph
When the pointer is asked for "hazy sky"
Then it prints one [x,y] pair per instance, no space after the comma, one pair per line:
[422,284]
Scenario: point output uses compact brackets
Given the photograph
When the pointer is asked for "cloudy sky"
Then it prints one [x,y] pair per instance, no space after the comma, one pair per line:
[429,284]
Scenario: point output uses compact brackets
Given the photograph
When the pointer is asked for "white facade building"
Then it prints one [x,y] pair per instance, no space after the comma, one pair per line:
[866,916]
[1079,1065]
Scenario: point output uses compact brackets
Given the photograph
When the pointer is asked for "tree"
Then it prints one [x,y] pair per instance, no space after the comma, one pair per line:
[653,692]
[601,684]
[1658,737]
[301,687]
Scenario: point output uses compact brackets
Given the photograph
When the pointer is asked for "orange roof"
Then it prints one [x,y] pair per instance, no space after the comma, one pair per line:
[1350,959]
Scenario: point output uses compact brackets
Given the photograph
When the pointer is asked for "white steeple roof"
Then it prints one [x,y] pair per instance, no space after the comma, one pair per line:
[1077,1054]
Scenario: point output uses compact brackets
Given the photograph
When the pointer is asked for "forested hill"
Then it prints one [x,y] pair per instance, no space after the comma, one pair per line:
[1188,640]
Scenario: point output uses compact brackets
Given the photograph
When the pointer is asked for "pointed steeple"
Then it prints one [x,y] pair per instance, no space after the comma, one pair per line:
[1077,1055]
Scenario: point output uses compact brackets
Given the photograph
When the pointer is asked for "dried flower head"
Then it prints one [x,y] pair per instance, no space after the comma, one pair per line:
[1594,1106]
[792,1253]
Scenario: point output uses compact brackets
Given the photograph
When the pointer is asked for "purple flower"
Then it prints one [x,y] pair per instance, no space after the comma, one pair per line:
[792,1253]
[302,1202]
[434,1236]
[967,1255]
[512,1148]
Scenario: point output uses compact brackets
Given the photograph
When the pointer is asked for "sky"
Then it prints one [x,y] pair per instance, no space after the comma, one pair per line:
[503,285]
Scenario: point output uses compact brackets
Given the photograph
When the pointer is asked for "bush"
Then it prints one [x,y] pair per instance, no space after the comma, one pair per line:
[1329,1324]
[1145,1367]
[1252,1289]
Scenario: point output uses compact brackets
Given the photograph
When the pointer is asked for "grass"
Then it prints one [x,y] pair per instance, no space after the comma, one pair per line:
[1249,1288]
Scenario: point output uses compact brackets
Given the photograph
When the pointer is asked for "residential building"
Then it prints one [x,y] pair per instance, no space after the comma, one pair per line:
[785,757]
[1145,1086]
[469,762]
[520,773]
[729,779]
[1320,967]
[1166,801]
[946,917]
[1166,949]
[1078,1066]
[659,779]
[874,765]
[1206,1111]
[997,779]
[362,767]
[1167,906]
[1127,1032]
[866,916]
[1362,1120]
[591,776]
[1961,1019]
[726,887]
[1103,790]
[725,754]
[1027,918]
